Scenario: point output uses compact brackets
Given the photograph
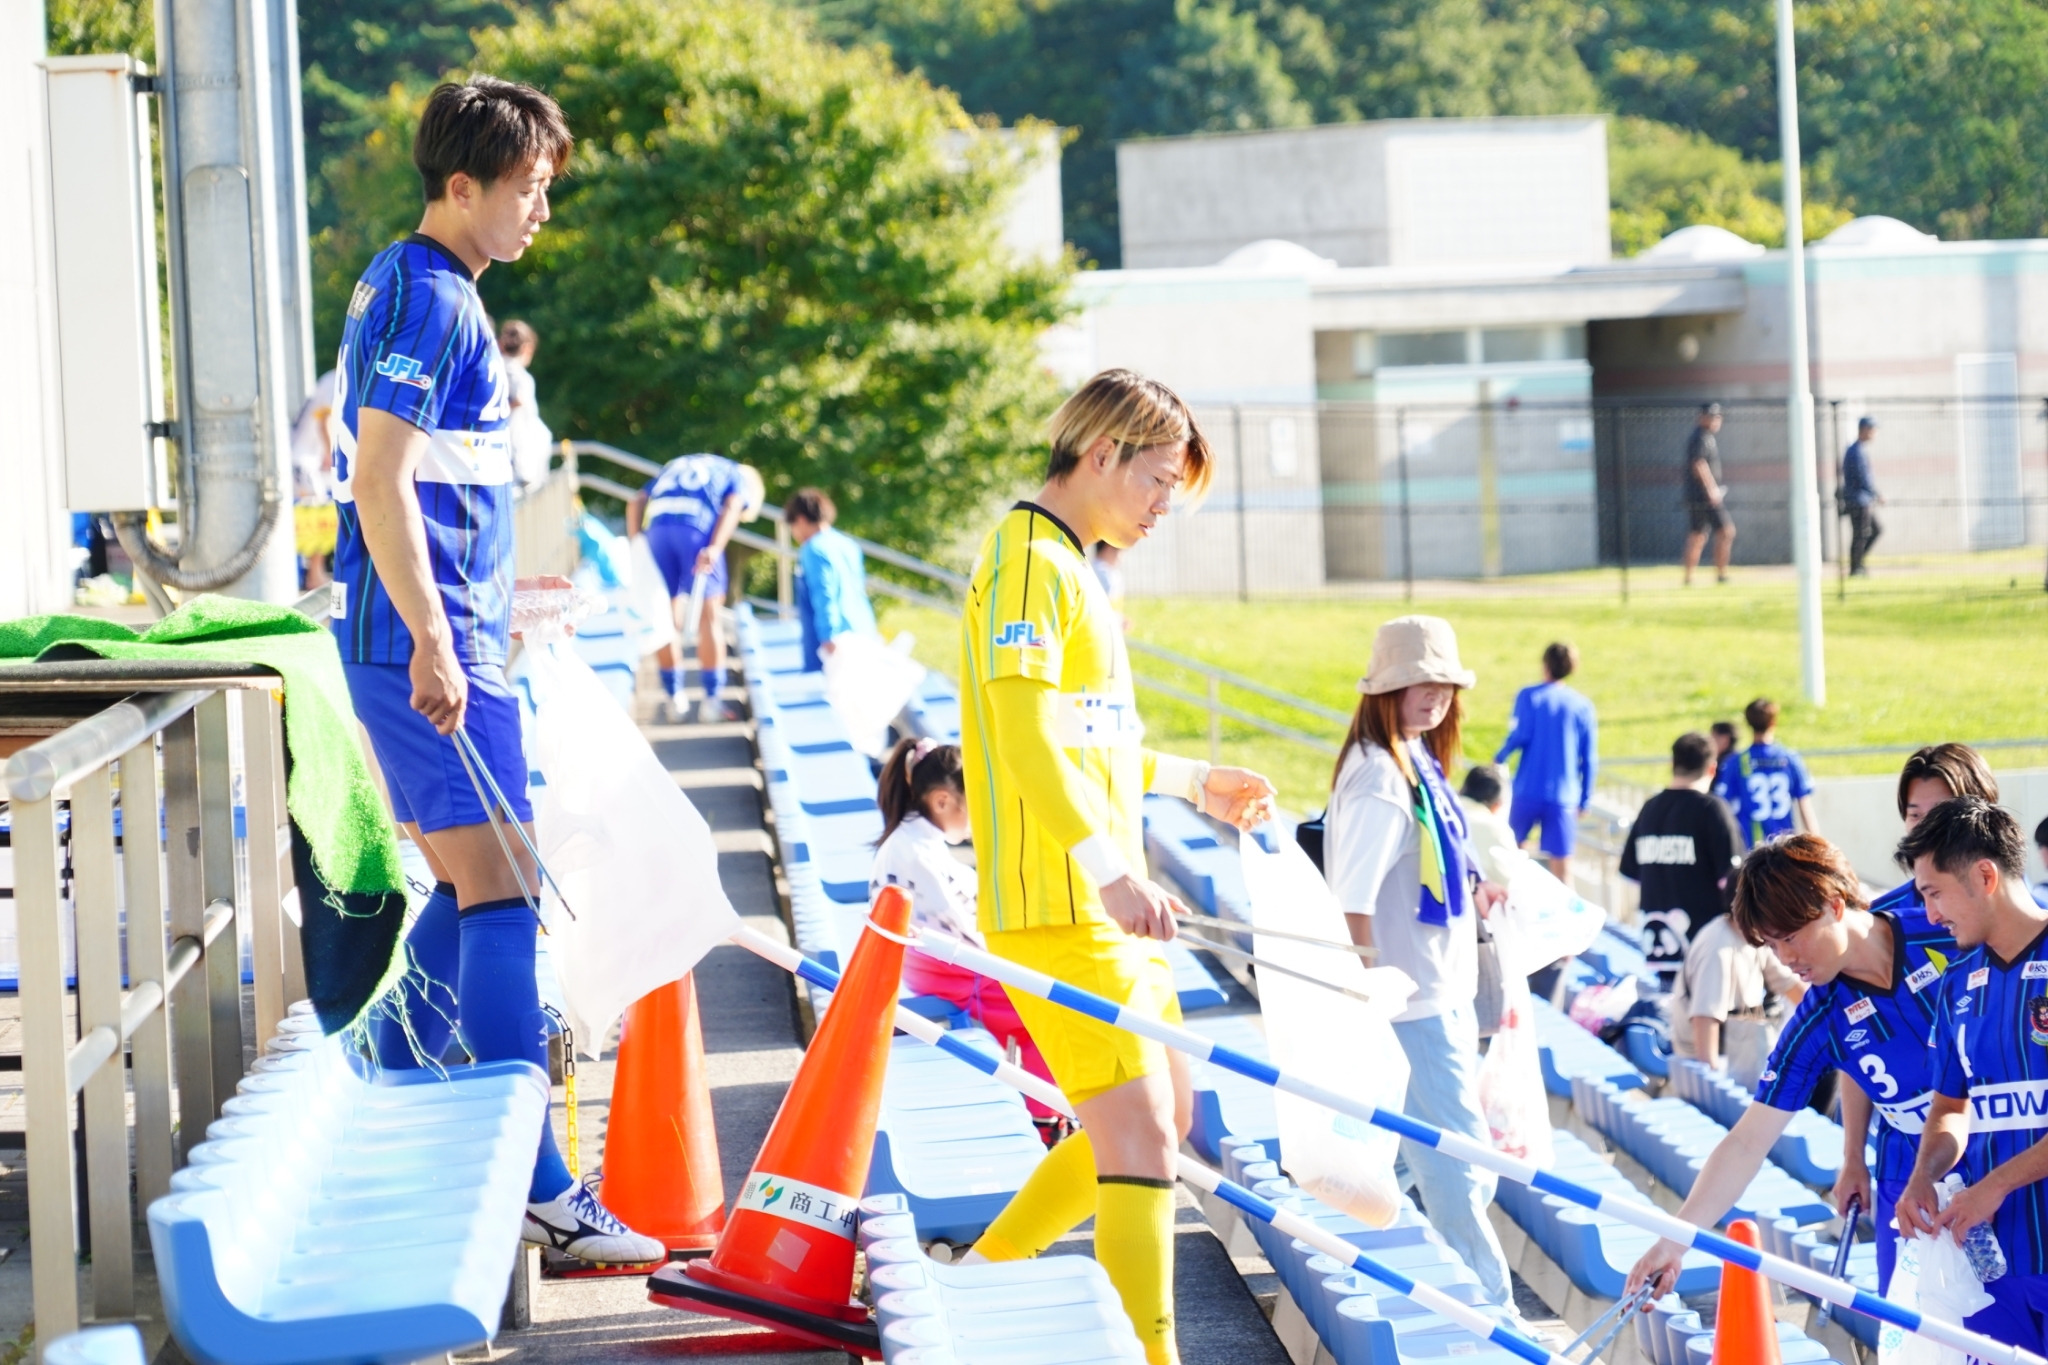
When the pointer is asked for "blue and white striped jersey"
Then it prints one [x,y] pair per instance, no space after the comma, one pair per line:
[1991,1049]
[418,346]
[1880,1036]
[1760,784]
[691,490]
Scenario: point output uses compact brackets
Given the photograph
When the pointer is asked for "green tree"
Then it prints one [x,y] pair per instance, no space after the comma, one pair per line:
[82,27]
[373,183]
[785,251]
[1662,178]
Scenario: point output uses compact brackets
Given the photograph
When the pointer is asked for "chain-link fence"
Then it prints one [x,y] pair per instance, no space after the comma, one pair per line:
[1314,495]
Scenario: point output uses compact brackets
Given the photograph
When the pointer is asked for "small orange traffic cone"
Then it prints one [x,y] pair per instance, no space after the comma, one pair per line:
[1745,1332]
[661,1172]
[786,1257]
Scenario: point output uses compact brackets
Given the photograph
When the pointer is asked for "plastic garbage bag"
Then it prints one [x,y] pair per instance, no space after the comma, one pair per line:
[650,601]
[634,860]
[1511,1094]
[1933,1276]
[605,548]
[868,683]
[1331,1040]
[1604,1003]
[1548,920]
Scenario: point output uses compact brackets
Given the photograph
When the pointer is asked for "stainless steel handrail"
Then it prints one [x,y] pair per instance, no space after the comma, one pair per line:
[50,765]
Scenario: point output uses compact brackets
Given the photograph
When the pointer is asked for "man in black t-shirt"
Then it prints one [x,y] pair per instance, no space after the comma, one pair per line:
[1706,497]
[1682,851]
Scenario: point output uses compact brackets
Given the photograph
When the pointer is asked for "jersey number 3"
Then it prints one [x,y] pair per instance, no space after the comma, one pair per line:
[1873,1067]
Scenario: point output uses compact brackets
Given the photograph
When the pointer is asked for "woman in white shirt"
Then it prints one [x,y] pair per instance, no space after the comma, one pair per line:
[1400,863]
[924,813]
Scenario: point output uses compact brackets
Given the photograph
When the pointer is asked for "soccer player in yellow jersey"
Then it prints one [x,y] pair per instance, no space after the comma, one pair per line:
[1055,776]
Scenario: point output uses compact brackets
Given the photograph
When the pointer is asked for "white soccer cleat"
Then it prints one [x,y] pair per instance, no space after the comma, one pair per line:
[711,711]
[575,1224]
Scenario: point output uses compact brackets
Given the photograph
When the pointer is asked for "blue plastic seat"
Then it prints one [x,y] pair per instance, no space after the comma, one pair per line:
[955,1143]
[329,1218]
[1225,1102]
[1051,1310]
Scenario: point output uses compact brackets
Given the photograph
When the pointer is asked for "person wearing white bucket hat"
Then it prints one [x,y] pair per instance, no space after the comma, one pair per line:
[1400,863]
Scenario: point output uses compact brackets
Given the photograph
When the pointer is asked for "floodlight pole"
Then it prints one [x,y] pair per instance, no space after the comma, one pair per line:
[1799,401]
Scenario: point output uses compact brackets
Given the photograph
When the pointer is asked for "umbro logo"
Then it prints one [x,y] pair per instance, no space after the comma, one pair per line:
[403,369]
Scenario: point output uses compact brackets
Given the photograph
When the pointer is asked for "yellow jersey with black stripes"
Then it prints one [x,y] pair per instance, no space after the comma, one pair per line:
[1036,610]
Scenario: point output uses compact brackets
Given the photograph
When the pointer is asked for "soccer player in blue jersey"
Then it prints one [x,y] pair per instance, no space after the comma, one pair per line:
[422,600]
[1874,982]
[1990,1107]
[688,513]
[1765,783]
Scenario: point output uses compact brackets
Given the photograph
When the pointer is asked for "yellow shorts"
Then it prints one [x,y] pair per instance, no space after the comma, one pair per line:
[1088,1057]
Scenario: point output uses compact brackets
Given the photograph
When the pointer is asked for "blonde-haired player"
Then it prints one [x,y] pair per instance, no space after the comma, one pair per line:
[1055,777]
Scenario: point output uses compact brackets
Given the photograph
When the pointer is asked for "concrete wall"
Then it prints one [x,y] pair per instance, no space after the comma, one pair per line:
[34,532]
[1403,192]
[1861,816]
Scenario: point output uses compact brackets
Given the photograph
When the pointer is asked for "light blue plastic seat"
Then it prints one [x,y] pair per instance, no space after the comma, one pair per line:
[955,1143]
[116,1345]
[329,1218]
[1226,1102]
[1051,1310]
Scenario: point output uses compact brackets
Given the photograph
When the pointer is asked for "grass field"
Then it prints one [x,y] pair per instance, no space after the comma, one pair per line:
[1941,649]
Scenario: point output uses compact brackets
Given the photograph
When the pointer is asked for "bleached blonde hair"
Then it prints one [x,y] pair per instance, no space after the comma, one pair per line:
[1135,412]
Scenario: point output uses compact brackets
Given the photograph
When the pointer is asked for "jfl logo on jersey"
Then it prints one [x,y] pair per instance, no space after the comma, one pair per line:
[403,369]
[1019,635]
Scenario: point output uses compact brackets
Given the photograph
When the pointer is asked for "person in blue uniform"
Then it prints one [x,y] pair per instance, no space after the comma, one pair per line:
[1873,981]
[688,512]
[831,577]
[1557,736]
[422,602]
[1860,499]
[1766,783]
[1933,774]
[1990,1108]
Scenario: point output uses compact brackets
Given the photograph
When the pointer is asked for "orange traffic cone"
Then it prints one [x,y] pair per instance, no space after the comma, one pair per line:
[661,1172]
[1745,1332]
[786,1257]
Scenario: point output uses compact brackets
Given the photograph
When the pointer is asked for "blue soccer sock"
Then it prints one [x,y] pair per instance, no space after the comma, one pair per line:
[411,1028]
[501,1014]
[713,679]
[671,681]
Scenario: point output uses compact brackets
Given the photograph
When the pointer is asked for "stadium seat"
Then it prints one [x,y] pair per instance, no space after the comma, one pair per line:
[955,1143]
[1225,1102]
[1050,1310]
[1565,1051]
[329,1218]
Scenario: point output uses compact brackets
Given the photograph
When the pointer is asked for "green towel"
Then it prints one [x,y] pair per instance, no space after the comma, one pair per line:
[345,851]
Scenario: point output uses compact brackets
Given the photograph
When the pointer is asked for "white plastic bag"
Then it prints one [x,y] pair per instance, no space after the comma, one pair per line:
[650,598]
[634,859]
[1547,919]
[1511,1094]
[1332,1040]
[868,683]
[1934,1276]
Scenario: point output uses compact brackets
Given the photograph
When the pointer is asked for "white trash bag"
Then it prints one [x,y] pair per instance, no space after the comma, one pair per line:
[1511,1094]
[1547,920]
[1933,1276]
[868,683]
[634,859]
[650,599]
[1331,1040]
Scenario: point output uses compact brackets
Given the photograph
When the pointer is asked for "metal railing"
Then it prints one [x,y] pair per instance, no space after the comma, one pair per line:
[166,758]
[953,586]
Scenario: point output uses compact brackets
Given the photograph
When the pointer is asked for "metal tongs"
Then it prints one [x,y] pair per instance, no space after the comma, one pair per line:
[1849,1221]
[1614,1319]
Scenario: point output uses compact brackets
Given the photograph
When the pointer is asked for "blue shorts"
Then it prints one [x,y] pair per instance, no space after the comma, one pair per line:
[422,768]
[2015,1317]
[676,545]
[1559,821]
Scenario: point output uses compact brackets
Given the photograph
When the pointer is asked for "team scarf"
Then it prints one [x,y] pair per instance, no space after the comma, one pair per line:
[1446,883]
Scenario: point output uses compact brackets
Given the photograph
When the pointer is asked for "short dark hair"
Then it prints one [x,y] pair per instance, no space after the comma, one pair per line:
[1785,883]
[1963,831]
[1761,714]
[1956,766]
[1559,660]
[1482,784]
[1691,752]
[1723,729]
[2041,834]
[810,504]
[486,128]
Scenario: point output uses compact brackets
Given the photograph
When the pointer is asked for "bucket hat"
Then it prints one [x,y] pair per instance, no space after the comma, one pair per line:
[1414,649]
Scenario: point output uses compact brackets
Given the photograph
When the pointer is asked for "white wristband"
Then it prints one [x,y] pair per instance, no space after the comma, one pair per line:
[1173,775]
[1099,858]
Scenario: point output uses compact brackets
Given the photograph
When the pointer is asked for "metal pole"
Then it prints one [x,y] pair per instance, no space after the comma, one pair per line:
[1842,535]
[2044,418]
[1621,490]
[1799,401]
[1407,544]
[784,595]
[1244,580]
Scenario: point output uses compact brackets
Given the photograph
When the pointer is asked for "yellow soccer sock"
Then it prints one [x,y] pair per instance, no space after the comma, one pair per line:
[1134,1243]
[1057,1198]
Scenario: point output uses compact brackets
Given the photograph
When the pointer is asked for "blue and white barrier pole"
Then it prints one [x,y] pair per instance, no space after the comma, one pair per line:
[1799,1277]
[1192,1171]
